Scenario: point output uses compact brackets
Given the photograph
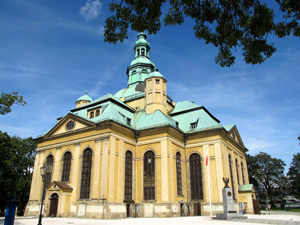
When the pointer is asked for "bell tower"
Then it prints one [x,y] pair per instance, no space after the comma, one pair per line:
[156,93]
[141,66]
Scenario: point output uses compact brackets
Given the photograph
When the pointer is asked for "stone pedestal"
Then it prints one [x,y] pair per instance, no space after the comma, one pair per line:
[229,212]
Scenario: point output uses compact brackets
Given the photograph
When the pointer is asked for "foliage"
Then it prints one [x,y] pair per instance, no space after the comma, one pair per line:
[7,100]
[266,173]
[16,167]
[222,23]
[294,175]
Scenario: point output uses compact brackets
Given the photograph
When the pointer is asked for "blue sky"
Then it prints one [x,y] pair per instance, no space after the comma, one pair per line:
[53,51]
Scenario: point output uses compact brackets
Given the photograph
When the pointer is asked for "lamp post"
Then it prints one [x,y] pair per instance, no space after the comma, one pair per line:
[45,169]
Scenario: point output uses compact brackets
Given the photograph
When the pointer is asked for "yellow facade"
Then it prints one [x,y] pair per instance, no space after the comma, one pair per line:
[119,185]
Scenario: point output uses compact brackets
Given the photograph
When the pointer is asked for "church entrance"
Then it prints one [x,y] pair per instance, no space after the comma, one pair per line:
[197,209]
[128,210]
[53,205]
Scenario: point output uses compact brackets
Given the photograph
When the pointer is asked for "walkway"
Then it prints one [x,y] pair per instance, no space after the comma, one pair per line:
[265,218]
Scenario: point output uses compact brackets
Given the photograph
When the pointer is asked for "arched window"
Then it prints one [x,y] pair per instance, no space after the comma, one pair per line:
[86,174]
[143,51]
[49,162]
[138,52]
[66,167]
[196,177]
[242,168]
[237,171]
[149,176]
[178,173]
[231,175]
[128,175]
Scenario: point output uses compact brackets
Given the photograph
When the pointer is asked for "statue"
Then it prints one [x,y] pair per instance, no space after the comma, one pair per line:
[226,181]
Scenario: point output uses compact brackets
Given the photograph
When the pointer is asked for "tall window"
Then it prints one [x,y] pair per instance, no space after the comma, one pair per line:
[49,161]
[237,171]
[149,176]
[242,168]
[196,177]
[86,174]
[178,173]
[128,175]
[66,167]
[231,175]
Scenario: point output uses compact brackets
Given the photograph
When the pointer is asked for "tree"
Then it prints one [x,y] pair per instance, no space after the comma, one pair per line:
[267,172]
[294,175]
[16,167]
[222,23]
[7,100]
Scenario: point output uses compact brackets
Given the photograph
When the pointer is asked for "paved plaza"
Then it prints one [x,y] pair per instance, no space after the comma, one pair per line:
[265,218]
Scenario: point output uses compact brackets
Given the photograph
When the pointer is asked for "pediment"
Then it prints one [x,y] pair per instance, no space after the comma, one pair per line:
[59,186]
[235,135]
[68,124]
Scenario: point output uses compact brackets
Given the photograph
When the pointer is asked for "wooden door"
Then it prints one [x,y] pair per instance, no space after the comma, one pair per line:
[53,205]
[256,207]
[197,209]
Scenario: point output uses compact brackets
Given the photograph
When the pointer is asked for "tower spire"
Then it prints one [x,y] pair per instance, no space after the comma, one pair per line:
[141,66]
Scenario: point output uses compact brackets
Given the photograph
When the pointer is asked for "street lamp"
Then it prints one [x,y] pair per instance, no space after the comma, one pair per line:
[45,169]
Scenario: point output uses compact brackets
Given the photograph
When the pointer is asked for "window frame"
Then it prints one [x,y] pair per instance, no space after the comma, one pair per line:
[86,172]
[49,161]
[149,176]
[196,183]
[65,176]
[128,175]
[179,174]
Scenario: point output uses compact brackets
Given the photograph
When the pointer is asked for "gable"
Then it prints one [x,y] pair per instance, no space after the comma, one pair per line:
[68,124]
[234,134]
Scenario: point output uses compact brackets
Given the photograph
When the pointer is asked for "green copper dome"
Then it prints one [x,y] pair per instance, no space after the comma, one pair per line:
[85,98]
[141,40]
[141,60]
[155,74]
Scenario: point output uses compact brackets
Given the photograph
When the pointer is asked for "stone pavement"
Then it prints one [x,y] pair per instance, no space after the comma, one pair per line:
[265,218]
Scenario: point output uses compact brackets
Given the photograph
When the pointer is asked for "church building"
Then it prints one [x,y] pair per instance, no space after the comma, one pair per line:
[139,154]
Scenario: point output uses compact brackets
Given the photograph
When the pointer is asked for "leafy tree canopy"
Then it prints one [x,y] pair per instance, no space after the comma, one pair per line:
[7,100]
[226,24]
[294,175]
[16,167]
[267,172]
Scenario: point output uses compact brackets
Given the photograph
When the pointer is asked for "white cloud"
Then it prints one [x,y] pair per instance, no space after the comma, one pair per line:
[91,10]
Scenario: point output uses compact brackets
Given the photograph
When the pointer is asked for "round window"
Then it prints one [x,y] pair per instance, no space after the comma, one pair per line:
[70,125]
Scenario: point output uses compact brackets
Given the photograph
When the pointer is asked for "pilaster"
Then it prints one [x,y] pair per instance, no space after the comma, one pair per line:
[104,170]
[121,172]
[219,169]
[56,166]
[75,178]
[95,190]
[112,155]
[164,172]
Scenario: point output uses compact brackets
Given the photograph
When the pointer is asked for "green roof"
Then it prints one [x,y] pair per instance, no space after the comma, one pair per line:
[200,119]
[141,59]
[129,93]
[245,187]
[228,127]
[184,106]
[156,119]
[85,97]
[155,74]
[141,40]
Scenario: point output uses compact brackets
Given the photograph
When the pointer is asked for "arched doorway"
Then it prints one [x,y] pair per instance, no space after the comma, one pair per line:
[53,205]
